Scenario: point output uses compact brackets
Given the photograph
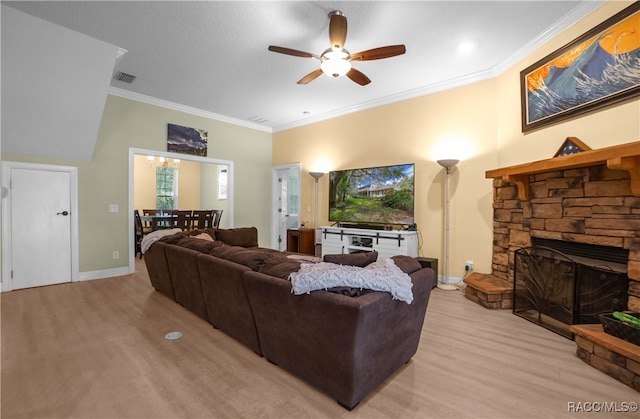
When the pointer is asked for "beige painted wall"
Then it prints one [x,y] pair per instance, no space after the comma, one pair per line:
[478,124]
[104,180]
[459,123]
[144,180]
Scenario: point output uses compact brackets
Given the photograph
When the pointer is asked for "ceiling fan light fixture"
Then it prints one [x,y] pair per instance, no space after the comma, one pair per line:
[335,63]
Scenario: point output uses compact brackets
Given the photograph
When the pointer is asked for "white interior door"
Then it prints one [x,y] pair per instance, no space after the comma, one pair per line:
[286,198]
[40,206]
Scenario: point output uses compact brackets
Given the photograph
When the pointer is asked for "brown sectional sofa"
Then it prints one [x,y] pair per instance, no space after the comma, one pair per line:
[344,342]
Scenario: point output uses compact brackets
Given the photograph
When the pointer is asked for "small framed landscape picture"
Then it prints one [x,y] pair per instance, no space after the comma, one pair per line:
[187,140]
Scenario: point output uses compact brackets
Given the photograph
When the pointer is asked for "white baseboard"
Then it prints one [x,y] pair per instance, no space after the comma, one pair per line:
[84,276]
[105,273]
[453,280]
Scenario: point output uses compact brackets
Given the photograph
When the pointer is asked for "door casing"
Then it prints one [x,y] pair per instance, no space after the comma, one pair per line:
[229,213]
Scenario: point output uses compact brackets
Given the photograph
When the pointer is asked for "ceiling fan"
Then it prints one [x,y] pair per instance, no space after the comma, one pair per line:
[336,61]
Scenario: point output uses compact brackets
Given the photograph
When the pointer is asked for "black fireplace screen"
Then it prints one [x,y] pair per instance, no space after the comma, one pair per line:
[556,290]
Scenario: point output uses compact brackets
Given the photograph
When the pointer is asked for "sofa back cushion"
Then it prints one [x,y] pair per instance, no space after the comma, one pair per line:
[242,236]
[352,259]
[407,264]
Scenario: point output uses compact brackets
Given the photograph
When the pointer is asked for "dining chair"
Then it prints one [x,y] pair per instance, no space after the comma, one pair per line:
[201,219]
[139,233]
[216,216]
[182,219]
[147,225]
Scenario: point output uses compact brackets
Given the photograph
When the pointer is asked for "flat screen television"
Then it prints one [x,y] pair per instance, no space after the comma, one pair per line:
[373,195]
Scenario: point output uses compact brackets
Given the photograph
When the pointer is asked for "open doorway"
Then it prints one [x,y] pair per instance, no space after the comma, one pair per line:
[194,183]
[285,211]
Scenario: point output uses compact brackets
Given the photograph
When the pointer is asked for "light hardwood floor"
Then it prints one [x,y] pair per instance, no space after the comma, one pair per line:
[96,349]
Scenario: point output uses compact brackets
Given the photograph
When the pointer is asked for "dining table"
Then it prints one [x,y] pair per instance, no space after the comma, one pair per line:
[159,221]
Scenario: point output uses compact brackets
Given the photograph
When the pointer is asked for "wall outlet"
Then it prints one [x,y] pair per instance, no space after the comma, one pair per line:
[114,208]
[468,266]
[116,254]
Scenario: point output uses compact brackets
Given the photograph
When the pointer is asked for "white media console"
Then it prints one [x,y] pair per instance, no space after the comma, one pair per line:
[340,240]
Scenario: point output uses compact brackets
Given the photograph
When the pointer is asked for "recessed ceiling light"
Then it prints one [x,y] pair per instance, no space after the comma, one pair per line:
[466,48]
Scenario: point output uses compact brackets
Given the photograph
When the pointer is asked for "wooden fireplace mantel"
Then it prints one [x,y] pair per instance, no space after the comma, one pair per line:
[618,157]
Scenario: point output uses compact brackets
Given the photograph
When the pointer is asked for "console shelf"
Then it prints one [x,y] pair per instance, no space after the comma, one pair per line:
[337,240]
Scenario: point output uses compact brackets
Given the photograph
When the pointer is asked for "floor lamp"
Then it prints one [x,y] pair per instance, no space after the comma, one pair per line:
[445,285]
[316,176]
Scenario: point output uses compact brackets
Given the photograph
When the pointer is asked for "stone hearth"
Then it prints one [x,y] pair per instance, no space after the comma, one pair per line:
[592,197]
[615,357]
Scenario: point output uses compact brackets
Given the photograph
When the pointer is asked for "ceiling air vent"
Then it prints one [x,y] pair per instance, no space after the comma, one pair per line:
[127,78]
[257,119]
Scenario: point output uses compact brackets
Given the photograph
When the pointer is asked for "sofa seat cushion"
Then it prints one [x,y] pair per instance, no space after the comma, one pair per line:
[242,236]
[243,256]
[155,236]
[172,238]
[280,267]
[283,266]
[203,236]
[382,275]
[194,243]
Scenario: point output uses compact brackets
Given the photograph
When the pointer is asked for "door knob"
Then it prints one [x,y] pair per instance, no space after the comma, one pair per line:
[63,213]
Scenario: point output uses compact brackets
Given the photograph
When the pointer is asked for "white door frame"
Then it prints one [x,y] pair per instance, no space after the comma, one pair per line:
[7,166]
[187,157]
[275,192]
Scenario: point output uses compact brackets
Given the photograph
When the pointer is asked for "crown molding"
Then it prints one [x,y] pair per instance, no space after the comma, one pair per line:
[115,91]
[560,26]
[388,100]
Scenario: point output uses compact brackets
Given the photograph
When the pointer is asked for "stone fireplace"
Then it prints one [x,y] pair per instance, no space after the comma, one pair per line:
[591,197]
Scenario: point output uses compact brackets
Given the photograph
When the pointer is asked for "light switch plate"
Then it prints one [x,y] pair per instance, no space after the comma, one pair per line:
[113,208]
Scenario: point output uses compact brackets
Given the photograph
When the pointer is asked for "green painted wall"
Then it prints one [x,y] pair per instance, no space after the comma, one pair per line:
[103,181]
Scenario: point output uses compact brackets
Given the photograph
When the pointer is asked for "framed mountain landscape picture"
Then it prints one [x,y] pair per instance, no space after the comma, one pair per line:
[187,140]
[596,70]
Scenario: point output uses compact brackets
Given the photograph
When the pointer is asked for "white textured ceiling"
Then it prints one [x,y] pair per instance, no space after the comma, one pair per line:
[213,56]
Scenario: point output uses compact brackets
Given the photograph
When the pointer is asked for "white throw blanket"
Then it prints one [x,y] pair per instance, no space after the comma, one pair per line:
[154,236]
[382,275]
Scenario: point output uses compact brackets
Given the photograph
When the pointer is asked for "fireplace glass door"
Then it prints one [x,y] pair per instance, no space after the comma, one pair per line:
[556,290]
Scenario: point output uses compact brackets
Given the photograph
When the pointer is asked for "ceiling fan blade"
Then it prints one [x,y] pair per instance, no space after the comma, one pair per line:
[379,53]
[337,30]
[310,77]
[358,77]
[294,52]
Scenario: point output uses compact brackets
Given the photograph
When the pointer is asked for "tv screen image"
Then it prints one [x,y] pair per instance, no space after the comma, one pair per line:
[374,195]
